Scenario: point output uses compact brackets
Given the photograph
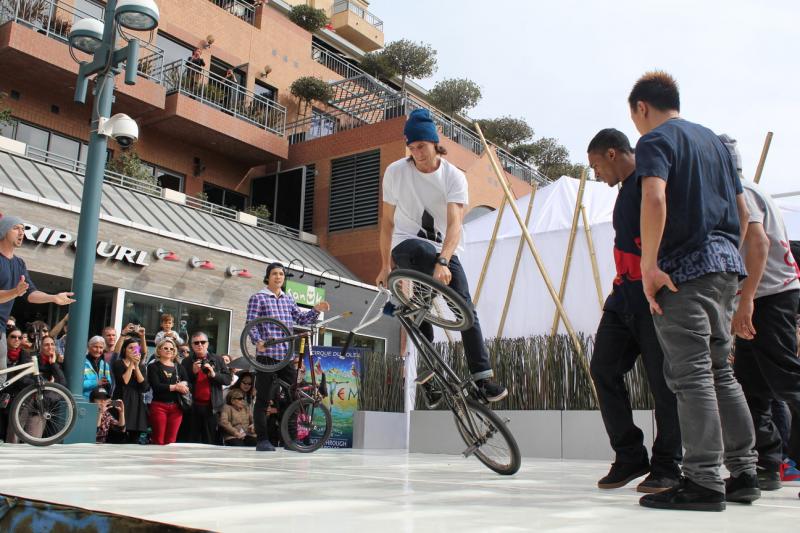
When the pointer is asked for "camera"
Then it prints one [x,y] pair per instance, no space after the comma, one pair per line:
[121,128]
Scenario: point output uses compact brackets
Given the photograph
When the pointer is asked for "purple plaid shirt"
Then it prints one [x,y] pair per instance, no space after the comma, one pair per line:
[283,308]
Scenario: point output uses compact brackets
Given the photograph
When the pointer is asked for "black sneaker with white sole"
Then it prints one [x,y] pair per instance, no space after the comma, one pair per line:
[493,392]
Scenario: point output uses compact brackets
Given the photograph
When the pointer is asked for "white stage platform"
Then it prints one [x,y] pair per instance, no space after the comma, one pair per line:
[237,490]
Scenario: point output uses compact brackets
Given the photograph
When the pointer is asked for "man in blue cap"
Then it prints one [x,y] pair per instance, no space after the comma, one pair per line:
[424,198]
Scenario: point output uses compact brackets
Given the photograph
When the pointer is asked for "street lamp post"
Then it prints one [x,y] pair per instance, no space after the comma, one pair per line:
[99,39]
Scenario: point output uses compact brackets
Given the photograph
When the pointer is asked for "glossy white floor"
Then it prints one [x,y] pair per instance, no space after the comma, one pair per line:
[226,489]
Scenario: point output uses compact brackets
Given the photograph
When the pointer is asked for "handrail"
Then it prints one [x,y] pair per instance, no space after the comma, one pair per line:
[225,95]
[341,6]
[239,9]
[334,63]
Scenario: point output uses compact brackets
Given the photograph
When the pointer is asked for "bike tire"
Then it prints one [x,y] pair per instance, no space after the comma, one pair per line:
[319,425]
[55,406]
[494,426]
[263,363]
[446,308]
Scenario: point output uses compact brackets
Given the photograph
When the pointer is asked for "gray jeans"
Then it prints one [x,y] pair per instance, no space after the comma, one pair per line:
[3,354]
[694,333]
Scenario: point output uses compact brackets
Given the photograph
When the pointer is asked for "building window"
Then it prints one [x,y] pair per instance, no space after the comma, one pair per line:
[365,342]
[283,195]
[265,92]
[225,197]
[322,124]
[308,199]
[174,50]
[355,183]
[146,310]
[88,8]
[166,179]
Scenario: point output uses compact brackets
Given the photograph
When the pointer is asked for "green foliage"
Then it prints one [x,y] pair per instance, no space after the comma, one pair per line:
[5,113]
[309,88]
[454,96]
[260,211]
[505,131]
[381,383]
[128,164]
[549,156]
[410,60]
[378,65]
[543,372]
[201,195]
[308,18]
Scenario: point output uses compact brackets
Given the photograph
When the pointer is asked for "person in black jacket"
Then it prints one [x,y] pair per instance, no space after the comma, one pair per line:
[207,373]
[129,386]
[168,380]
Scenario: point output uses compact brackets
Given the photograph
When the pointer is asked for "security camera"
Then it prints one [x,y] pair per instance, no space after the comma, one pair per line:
[121,128]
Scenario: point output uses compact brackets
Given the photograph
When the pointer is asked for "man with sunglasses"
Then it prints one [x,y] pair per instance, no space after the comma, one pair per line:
[207,373]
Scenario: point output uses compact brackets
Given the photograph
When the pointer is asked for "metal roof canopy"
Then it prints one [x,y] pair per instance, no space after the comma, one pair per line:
[39,180]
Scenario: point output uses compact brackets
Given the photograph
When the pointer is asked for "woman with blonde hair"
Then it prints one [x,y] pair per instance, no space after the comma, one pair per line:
[168,381]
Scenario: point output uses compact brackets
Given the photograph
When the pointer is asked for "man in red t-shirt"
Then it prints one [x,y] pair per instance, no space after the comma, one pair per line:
[207,373]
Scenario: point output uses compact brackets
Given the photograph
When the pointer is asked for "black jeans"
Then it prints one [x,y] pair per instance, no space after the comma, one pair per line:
[202,424]
[619,342]
[768,368]
[264,393]
[419,255]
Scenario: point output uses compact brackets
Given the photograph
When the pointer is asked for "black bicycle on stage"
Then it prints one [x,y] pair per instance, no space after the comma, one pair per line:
[423,299]
[306,423]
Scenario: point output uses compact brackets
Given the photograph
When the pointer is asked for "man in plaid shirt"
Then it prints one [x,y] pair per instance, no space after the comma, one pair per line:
[274,303]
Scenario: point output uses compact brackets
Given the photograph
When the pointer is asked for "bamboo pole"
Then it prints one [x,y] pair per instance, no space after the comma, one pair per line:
[540,264]
[516,264]
[562,290]
[490,250]
[764,152]
[593,256]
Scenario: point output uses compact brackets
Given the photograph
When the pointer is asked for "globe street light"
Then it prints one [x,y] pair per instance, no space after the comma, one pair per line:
[98,39]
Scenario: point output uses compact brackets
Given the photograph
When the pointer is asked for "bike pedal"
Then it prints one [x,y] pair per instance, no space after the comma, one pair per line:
[424,378]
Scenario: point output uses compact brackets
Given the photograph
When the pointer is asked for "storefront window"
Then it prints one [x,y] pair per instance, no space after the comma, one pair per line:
[147,310]
[339,338]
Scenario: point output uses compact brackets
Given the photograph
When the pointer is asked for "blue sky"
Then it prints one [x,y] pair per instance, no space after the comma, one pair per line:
[567,66]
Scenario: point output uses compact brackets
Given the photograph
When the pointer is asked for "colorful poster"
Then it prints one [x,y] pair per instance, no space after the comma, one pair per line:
[342,379]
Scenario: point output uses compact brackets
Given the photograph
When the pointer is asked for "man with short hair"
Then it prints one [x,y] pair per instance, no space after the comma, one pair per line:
[766,364]
[109,334]
[207,373]
[626,331]
[15,281]
[692,215]
[424,197]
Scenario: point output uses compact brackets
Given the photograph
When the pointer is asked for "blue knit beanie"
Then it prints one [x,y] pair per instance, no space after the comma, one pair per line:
[420,127]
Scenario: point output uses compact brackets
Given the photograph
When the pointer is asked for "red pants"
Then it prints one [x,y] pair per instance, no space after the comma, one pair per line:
[165,419]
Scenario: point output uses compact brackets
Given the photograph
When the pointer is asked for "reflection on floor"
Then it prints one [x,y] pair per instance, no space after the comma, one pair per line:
[227,489]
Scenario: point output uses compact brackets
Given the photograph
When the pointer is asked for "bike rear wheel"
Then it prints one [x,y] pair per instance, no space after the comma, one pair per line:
[43,416]
[276,352]
[444,306]
[306,425]
[487,436]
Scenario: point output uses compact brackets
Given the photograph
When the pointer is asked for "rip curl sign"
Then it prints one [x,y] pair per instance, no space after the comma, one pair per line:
[105,249]
[305,294]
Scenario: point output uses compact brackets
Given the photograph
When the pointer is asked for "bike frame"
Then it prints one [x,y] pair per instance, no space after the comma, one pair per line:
[26,369]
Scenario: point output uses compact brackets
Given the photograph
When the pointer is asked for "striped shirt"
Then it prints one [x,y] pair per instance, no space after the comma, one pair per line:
[281,307]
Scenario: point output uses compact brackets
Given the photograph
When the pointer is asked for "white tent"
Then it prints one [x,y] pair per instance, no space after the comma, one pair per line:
[790,209]
[531,309]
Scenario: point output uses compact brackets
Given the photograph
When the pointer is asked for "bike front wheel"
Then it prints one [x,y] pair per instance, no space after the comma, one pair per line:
[443,306]
[487,437]
[43,416]
[264,346]
[306,425]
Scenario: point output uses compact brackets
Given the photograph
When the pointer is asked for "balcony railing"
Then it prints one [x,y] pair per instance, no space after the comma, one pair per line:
[340,6]
[239,8]
[334,62]
[146,187]
[227,96]
[55,20]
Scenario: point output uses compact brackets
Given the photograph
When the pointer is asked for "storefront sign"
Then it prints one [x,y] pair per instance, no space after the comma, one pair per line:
[307,295]
[105,249]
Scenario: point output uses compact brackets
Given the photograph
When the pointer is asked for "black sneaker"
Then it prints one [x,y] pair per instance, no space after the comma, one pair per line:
[656,482]
[5,399]
[687,496]
[264,446]
[743,488]
[493,391]
[621,474]
[768,480]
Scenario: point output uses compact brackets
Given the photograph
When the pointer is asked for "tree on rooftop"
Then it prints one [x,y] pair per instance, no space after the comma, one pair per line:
[410,60]
[505,131]
[549,156]
[454,96]
[308,89]
[308,18]
[377,65]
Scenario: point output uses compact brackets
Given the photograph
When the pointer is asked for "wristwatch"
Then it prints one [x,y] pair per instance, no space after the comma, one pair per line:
[442,261]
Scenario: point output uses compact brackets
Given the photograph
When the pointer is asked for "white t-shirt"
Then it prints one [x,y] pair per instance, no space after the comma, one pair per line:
[421,199]
[780,272]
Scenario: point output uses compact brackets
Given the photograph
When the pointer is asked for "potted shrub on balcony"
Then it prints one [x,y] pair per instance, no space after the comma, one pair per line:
[133,174]
[308,18]
[308,89]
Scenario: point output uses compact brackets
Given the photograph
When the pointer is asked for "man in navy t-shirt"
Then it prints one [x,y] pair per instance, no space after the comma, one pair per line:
[625,331]
[692,215]
[15,281]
